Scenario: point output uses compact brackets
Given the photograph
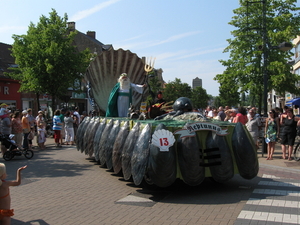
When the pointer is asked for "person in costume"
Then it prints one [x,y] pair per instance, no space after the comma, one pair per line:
[121,96]
[5,201]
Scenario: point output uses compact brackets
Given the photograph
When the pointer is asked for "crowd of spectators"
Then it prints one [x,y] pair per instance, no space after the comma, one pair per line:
[279,127]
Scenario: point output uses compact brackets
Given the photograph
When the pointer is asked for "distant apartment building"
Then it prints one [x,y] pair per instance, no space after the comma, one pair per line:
[197,82]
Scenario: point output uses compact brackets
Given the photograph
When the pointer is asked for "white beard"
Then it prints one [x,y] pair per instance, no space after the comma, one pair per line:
[125,84]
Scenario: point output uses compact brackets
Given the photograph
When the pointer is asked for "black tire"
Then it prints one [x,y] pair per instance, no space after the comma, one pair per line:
[28,154]
[297,152]
[7,156]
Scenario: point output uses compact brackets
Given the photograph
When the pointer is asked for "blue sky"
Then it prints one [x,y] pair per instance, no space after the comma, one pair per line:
[186,37]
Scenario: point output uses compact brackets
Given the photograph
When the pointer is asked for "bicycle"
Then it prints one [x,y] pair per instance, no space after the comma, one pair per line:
[296,151]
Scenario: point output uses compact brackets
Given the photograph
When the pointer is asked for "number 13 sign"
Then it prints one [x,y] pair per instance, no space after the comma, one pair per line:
[163,139]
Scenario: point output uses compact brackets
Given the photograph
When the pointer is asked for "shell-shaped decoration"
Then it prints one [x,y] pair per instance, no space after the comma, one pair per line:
[104,71]
[163,139]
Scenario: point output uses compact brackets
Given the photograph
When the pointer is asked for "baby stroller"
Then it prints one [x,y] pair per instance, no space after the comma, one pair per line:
[12,148]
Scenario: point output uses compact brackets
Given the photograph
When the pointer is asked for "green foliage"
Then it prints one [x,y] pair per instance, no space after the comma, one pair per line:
[244,72]
[47,60]
[175,89]
[199,98]
[156,85]
[229,94]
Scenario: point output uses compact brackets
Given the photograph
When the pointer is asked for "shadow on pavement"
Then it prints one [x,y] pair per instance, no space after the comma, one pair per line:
[37,222]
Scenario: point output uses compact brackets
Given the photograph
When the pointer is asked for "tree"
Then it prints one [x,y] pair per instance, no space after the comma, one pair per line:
[199,98]
[155,85]
[244,67]
[47,60]
[175,89]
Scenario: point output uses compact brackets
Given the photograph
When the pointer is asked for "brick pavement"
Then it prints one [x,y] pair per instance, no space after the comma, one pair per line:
[60,186]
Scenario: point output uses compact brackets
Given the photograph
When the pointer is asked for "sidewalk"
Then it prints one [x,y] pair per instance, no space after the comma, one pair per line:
[277,161]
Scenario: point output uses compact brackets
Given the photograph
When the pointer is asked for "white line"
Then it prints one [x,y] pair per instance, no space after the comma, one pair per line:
[273,202]
[265,216]
[132,198]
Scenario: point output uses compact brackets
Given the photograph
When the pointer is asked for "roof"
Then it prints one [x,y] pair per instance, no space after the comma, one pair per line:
[6,60]
[83,41]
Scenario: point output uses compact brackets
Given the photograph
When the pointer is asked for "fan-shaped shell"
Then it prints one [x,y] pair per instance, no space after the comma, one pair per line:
[104,71]
[163,139]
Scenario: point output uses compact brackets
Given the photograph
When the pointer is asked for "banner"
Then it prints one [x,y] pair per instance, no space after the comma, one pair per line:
[190,130]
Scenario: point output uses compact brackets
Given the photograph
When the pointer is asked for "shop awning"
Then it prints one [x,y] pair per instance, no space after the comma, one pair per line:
[295,101]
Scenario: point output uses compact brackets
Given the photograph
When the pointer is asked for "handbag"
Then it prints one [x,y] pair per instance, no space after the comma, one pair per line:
[30,136]
[26,130]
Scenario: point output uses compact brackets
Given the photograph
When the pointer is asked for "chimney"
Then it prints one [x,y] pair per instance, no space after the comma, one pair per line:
[91,34]
[71,25]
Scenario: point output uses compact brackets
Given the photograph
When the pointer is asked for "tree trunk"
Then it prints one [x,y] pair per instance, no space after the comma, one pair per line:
[38,101]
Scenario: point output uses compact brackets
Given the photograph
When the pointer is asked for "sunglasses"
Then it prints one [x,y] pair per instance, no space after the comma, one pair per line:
[271,112]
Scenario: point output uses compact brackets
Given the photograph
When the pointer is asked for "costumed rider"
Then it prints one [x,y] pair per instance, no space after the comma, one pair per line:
[121,97]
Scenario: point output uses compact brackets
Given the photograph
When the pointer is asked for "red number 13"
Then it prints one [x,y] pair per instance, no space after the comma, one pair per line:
[164,141]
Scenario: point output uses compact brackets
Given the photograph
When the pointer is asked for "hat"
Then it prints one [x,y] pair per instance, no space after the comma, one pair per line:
[29,109]
[11,136]
[24,112]
[40,112]
[3,104]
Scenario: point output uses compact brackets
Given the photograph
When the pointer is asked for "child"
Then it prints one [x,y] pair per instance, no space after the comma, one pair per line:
[41,136]
[12,140]
[5,211]
[3,111]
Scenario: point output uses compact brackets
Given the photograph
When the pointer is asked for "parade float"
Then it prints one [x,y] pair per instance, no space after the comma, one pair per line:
[182,145]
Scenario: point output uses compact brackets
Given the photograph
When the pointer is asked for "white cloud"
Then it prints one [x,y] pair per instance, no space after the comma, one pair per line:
[85,13]
[175,38]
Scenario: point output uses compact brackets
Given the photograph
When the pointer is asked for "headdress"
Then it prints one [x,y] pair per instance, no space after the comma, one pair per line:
[123,75]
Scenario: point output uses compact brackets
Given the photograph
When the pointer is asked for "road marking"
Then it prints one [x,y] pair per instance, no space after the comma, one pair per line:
[274,200]
[132,198]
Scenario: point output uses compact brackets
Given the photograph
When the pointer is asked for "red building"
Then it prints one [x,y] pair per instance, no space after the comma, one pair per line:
[8,87]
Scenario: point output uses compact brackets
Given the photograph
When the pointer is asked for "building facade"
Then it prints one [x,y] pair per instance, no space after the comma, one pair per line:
[197,82]
[9,88]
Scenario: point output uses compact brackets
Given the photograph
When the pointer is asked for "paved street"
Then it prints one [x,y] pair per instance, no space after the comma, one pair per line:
[61,186]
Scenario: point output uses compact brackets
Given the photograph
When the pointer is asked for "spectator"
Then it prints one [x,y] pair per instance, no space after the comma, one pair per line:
[75,126]
[32,122]
[62,132]
[40,119]
[26,129]
[253,126]
[5,129]
[3,110]
[290,122]
[57,125]
[215,115]
[241,116]
[221,113]
[76,113]
[69,129]
[272,130]
[41,137]
[209,112]
[16,128]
